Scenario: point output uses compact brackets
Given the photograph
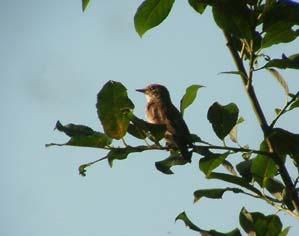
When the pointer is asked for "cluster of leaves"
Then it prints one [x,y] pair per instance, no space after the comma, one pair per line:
[250,26]
[115,111]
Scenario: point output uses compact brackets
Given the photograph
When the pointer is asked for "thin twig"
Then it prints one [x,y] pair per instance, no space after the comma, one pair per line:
[282,111]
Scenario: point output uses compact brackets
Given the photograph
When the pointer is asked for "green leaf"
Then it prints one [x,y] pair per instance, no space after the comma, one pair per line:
[223,118]
[183,217]
[258,223]
[189,96]
[294,105]
[278,13]
[113,105]
[155,132]
[72,130]
[83,136]
[244,169]
[263,167]
[122,153]
[285,231]
[210,162]
[234,180]
[84,4]
[234,18]
[150,14]
[280,80]
[285,143]
[198,5]
[136,131]
[173,160]
[281,33]
[291,62]
[215,193]
[275,187]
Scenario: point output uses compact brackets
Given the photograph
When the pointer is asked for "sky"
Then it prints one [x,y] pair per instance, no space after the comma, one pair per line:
[54,60]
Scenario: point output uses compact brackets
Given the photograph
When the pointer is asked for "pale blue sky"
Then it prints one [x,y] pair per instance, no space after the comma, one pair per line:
[54,59]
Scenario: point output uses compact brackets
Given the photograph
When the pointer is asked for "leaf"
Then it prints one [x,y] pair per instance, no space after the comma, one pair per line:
[122,153]
[244,169]
[83,136]
[84,4]
[223,118]
[198,5]
[136,131]
[210,162]
[285,231]
[258,223]
[280,80]
[150,14]
[275,187]
[233,18]
[281,33]
[234,180]
[280,12]
[112,106]
[189,96]
[285,143]
[233,134]
[263,167]
[294,105]
[155,132]
[183,217]
[291,62]
[229,167]
[215,193]
[72,130]
[173,160]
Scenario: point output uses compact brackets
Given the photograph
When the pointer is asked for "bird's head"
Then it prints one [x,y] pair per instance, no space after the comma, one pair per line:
[155,92]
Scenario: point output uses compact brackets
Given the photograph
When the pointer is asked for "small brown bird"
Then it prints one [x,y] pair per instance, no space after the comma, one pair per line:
[160,110]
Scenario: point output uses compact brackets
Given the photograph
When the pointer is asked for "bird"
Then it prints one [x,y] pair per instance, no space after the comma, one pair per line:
[161,111]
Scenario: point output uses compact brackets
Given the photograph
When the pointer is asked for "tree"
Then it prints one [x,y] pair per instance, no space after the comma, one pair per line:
[249,28]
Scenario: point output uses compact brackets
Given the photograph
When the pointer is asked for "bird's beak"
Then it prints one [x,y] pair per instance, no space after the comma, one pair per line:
[141,90]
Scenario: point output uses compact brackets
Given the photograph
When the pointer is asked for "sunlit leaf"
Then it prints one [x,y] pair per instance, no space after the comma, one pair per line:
[150,14]
[112,106]
[223,118]
[233,134]
[189,96]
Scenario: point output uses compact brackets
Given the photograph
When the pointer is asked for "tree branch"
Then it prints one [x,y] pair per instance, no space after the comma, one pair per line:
[290,187]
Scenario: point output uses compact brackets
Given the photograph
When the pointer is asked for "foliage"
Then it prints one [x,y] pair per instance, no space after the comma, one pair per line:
[249,27]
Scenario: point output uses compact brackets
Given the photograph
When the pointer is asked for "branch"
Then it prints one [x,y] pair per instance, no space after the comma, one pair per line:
[282,112]
[290,187]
